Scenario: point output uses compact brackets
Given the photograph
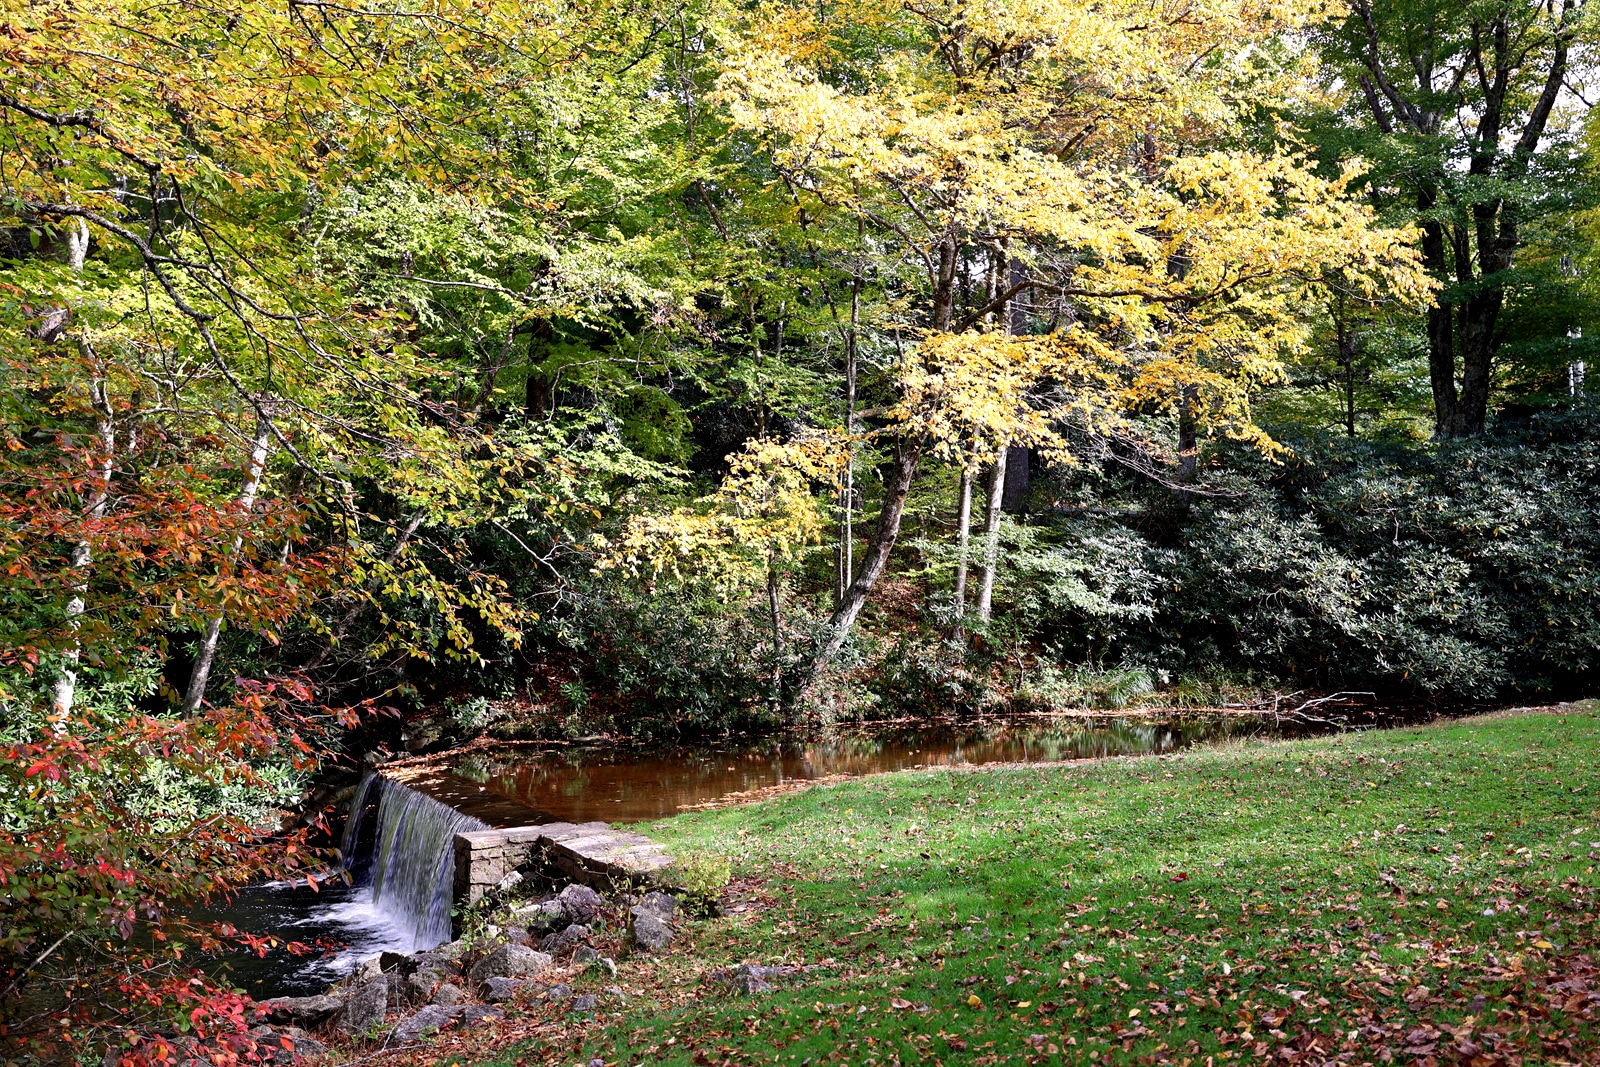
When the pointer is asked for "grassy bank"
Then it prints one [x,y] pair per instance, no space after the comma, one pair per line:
[1423,895]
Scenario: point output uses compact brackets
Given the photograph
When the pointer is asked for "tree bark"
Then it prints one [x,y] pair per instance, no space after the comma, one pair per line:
[1482,234]
[907,456]
[64,693]
[844,570]
[206,654]
[775,612]
[963,532]
[991,534]
[1014,499]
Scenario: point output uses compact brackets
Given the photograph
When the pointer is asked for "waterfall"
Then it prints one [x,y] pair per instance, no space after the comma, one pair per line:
[414,860]
[351,838]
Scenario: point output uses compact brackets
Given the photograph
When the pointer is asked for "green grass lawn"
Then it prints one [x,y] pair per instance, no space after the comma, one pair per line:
[1422,895]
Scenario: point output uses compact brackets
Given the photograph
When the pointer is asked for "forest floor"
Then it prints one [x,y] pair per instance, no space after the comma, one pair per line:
[1423,896]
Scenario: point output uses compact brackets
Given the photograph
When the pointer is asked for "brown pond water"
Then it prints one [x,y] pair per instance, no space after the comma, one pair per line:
[522,785]
[525,785]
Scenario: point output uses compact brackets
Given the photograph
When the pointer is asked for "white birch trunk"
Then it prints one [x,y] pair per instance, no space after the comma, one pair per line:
[207,651]
[991,534]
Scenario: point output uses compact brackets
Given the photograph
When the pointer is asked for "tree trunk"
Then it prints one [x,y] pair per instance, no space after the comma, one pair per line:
[207,652]
[1478,318]
[844,571]
[873,563]
[944,285]
[1014,499]
[65,691]
[991,534]
[963,532]
[776,617]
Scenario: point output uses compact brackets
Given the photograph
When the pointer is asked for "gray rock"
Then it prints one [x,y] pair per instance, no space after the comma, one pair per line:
[576,934]
[750,985]
[585,954]
[605,964]
[437,1017]
[419,986]
[663,904]
[306,1047]
[449,951]
[449,995]
[509,882]
[586,1002]
[510,961]
[649,931]
[365,971]
[433,1017]
[401,963]
[558,992]
[581,903]
[521,935]
[496,990]
[474,1014]
[303,1011]
[756,970]
[543,916]
[366,1006]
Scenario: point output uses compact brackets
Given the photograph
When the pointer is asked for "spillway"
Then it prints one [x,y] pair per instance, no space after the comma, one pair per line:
[412,859]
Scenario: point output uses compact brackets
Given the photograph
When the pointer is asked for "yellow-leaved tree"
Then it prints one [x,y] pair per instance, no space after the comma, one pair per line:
[1084,160]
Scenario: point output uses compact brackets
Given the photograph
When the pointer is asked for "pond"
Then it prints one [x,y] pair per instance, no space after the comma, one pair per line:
[623,784]
[398,838]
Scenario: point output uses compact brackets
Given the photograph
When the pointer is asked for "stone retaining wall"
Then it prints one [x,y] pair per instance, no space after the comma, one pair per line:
[591,853]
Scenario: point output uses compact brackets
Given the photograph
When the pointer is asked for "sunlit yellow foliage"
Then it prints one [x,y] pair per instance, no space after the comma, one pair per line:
[765,511]
[1075,135]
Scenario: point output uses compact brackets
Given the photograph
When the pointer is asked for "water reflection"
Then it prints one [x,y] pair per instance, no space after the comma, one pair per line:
[633,785]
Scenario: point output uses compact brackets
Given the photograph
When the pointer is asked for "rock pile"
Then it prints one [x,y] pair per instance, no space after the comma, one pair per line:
[459,984]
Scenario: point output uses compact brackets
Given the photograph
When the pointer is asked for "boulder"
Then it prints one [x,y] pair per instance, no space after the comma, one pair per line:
[473,1014]
[510,961]
[543,916]
[366,1006]
[604,964]
[496,990]
[303,1011]
[401,963]
[436,1017]
[433,1017]
[649,931]
[419,986]
[572,936]
[449,995]
[581,903]
[750,985]
[664,905]
[306,1047]
[365,971]
[586,1002]
[585,954]
[557,993]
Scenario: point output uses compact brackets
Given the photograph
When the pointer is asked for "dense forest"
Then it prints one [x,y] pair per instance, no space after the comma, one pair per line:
[657,370]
